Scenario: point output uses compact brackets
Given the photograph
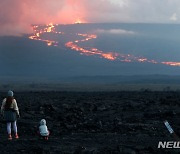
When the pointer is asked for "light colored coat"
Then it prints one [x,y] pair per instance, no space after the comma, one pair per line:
[43,130]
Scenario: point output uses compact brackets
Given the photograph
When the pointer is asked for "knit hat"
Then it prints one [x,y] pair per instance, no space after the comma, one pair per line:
[10,93]
[43,122]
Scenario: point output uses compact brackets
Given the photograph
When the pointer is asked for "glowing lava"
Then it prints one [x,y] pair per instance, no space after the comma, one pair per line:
[171,63]
[73,45]
[78,21]
[50,28]
[38,32]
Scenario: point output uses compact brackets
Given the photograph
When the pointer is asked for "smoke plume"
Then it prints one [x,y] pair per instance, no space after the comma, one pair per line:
[16,16]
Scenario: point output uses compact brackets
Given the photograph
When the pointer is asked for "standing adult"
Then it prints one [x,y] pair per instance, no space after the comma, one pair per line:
[10,111]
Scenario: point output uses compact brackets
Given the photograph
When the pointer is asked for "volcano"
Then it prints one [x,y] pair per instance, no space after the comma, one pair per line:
[57,50]
[74,45]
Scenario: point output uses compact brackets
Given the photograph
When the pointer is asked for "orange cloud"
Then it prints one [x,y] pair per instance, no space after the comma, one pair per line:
[16,16]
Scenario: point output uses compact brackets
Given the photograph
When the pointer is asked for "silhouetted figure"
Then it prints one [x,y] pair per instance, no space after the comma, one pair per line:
[10,112]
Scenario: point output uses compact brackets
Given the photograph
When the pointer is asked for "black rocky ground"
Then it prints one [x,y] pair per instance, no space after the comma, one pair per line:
[96,122]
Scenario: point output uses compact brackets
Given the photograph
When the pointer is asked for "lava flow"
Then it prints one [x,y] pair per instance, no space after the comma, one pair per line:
[73,45]
[38,32]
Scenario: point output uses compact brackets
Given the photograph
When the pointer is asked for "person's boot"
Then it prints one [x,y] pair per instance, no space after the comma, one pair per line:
[9,137]
[16,136]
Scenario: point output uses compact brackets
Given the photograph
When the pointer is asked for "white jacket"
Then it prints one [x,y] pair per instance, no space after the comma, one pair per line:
[43,130]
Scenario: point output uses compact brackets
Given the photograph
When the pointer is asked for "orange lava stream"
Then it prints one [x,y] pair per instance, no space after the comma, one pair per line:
[171,63]
[73,45]
[107,55]
[38,32]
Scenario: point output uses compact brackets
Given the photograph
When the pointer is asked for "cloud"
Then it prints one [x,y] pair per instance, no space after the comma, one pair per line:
[174,17]
[116,31]
[16,16]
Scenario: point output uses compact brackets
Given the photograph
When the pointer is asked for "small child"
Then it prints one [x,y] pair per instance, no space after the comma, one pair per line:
[43,130]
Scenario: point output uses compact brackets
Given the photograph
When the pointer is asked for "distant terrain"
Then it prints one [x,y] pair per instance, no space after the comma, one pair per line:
[94,83]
